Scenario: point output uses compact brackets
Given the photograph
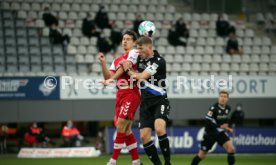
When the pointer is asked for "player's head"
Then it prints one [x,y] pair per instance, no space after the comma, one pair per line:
[69,123]
[34,125]
[144,46]
[129,40]
[223,97]
[239,107]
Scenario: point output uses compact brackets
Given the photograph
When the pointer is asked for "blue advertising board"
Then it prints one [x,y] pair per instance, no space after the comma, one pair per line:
[187,140]
[29,88]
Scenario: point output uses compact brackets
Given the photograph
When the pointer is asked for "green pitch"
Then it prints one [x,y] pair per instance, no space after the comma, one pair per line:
[183,159]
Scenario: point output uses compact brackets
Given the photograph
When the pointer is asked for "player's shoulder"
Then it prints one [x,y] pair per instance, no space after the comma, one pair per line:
[133,51]
[213,107]
[158,57]
[228,107]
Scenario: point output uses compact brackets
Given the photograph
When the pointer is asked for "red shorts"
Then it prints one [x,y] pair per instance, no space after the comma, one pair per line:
[127,102]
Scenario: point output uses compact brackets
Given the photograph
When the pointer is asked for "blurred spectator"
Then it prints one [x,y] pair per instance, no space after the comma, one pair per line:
[56,37]
[71,135]
[89,27]
[3,139]
[101,18]
[36,136]
[137,22]
[100,141]
[116,38]
[49,18]
[175,40]
[181,28]
[232,46]
[222,27]
[237,116]
[104,44]
[231,29]
[269,25]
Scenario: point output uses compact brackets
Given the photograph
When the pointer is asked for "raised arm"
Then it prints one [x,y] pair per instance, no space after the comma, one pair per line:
[106,73]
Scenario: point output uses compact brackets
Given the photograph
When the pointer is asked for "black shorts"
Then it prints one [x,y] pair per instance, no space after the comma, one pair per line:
[152,109]
[209,140]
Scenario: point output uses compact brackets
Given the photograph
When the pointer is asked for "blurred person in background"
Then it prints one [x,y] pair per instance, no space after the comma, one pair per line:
[56,37]
[88,27]
[137,22]
[237,117]
[232,46]
[36,136]
[222,26]
[102,19]
[48,18]
[71,135]
[3,139]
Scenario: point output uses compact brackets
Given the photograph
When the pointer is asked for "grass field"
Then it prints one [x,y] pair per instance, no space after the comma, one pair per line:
[184,159]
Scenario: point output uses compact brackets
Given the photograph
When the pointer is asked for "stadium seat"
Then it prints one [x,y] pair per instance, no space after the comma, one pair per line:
[196,67]
[247,42]
[244,67]
[255,58]
[225,67]
[170,50]
[205,67]
[236,59]
[168,67]
[245,58]
[207,58]
[169,58]
[197,59]
[96,68]
[266,41]
[176,67]
[265,50]
[272,67]
[249,33]
[210,41]
[178,58]
[201,42]
[253,67]
[186,67]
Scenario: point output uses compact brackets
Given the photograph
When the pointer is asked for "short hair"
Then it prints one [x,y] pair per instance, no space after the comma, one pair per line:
[224,92]
[132,34]
[144,41]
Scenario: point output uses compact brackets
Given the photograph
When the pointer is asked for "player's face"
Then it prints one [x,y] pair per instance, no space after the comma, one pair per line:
[223,99]
[143,51]
[128,42]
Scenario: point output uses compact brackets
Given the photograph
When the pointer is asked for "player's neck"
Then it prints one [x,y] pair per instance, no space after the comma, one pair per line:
[221,105]
[151,54]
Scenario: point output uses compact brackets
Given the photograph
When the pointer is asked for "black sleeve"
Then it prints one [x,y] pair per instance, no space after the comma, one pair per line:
[210,117]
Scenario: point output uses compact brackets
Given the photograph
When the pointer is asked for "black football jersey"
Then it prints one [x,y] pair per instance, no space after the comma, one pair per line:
[156,84]
[216,116]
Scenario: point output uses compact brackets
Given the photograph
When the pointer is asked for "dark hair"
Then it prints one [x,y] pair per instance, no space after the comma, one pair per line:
[132,34]
[144,40]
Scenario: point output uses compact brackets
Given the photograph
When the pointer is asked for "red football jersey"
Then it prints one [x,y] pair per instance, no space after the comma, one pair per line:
[124,79]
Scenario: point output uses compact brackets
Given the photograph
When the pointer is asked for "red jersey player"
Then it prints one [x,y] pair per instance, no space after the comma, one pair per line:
[127,101]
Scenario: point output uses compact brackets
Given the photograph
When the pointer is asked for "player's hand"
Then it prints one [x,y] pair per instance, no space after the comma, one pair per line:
[230,130]
[127,65]
[107,82]
[101,57]
[121,62]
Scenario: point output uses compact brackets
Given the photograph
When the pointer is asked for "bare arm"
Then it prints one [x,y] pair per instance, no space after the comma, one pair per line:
[106,73]
[226,127]
[139,76]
